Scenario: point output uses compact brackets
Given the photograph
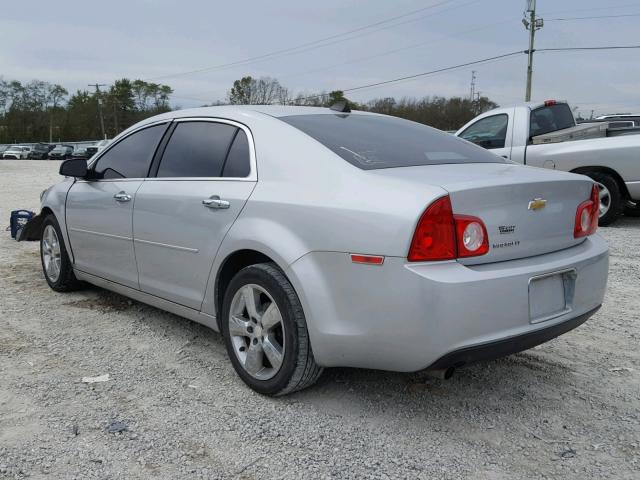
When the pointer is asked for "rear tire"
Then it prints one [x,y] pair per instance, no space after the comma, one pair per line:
[260,310]
[56,264]
[611,203]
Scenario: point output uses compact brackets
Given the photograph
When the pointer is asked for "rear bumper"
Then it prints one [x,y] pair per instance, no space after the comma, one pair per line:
[408,317]
[509,345]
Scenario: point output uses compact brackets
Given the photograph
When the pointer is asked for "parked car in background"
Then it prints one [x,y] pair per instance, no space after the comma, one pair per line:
[91,151]
[17,152]
[314,237]
[82,152]
[546,135]
[39,151]
[3,148]
[61,152]
[102,144]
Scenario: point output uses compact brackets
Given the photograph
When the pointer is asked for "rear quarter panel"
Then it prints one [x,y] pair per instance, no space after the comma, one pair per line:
[621,154]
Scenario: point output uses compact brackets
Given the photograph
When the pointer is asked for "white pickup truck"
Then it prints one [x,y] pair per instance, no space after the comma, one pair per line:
[546,135]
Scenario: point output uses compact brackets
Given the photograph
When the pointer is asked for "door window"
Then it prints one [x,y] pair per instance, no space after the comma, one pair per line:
[130,157]
[197,149]
[238,162]
[489,132]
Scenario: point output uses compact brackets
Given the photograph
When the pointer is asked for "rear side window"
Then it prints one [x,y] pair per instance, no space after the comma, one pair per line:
[238,162]
[197,149]
[551,119]
[131,157]
[372,142]
[489,132]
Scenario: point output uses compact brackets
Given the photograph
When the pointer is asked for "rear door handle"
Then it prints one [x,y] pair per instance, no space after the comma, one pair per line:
[214,202]
[122,197]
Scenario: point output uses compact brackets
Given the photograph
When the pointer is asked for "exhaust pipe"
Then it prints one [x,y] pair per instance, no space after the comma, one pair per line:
[442,374]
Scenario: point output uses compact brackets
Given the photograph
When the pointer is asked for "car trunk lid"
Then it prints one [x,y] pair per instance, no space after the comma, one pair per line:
[527,211]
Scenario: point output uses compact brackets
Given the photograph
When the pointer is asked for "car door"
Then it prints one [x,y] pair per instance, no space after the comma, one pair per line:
[491,133]
[183,211]
[99,210]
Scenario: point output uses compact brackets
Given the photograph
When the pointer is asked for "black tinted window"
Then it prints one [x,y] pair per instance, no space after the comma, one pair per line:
[490,132]
[238,162]
[550,119]
[196,149]
[130,158]
[372,141]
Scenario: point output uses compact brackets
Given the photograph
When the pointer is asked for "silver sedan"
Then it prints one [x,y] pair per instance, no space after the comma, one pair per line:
[314,238]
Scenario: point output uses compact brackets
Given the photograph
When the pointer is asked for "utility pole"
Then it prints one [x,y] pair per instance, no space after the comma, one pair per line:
[532,24]
[98,85]
[473,85]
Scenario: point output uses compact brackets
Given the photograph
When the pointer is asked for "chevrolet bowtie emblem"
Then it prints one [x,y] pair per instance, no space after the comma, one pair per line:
[537,204]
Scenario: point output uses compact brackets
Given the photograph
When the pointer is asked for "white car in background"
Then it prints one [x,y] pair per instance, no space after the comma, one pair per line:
[101,145]
[17,152]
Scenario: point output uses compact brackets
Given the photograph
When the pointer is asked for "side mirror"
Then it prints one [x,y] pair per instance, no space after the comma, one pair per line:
[75,167]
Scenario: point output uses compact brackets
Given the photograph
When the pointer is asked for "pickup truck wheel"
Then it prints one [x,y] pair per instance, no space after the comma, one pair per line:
[610,197]
[265,332]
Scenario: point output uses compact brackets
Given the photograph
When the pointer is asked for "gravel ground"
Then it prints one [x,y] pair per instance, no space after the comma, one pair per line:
[567,409]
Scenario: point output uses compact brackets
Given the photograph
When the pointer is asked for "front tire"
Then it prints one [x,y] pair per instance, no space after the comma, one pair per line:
[56,265]
[611,204]
[265,332]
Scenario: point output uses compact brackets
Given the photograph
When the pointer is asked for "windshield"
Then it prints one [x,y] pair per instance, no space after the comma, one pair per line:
[376,141]
[551,119]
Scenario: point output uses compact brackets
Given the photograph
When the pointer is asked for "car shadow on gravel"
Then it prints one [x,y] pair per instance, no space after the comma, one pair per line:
[521,381]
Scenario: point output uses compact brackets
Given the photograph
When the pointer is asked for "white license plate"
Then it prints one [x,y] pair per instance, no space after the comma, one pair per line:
[551,295]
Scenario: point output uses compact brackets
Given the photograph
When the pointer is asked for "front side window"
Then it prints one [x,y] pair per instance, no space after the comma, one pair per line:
[489,132]
[197,149]
[130,157]
[372,142]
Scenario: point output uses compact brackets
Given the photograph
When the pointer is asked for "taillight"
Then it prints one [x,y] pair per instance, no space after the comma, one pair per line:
[472,236]
[435,235]
[441,235]
[587,215]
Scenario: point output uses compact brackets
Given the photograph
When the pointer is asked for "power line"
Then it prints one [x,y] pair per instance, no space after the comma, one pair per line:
[423,74]
[396,50]
[592,18]
[317,43]
[608,7]
[566,49]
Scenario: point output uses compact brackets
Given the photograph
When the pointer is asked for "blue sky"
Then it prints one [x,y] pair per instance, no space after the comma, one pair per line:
[80,42]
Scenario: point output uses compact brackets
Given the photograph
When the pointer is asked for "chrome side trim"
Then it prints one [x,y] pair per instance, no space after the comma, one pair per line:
[165,245]
[175,308]
[100,234]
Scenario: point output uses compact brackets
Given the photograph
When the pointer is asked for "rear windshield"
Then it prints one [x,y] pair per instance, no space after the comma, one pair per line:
[551,119]
[371,142]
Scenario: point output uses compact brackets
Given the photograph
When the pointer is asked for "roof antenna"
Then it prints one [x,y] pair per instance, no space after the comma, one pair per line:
[341,106]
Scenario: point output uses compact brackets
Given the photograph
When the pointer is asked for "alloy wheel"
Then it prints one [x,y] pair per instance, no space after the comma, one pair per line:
[257,331]
[51,255]
[605,199]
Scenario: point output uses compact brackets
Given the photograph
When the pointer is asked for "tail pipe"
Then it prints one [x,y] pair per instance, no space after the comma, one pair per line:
[442,374]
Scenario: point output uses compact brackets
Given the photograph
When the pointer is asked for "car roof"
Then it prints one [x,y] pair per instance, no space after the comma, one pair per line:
[243,110]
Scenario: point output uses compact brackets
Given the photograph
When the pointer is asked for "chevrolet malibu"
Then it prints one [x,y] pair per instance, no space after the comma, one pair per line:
[314,238]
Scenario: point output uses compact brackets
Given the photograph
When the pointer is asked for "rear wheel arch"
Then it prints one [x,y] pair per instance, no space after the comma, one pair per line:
[607,171]
[230,266]
[611,183]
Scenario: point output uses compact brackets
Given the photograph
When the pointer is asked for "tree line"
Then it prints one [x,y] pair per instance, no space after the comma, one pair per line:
[41,111]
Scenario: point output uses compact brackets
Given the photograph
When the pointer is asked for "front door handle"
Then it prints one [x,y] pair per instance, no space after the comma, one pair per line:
[214,202]
[122,197]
